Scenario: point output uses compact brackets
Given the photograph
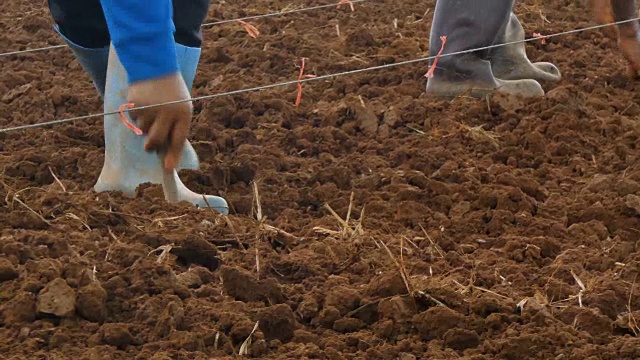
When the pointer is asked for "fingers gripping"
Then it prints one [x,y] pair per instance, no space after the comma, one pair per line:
[159,132]
[179,133]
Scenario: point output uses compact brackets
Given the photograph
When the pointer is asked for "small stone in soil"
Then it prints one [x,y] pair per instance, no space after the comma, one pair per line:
[57,298]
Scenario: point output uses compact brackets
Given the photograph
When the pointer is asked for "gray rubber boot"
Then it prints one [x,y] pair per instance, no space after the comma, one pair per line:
[470,24]
[510,62]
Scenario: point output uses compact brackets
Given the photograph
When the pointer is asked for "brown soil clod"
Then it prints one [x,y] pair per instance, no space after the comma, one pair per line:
[246,287]
[193,250]
[92,302]
[277,322]
[7,270]
[388,224]
[116,335]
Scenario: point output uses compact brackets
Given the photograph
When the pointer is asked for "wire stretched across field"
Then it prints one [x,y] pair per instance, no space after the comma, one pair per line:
[205,25]
[321,77]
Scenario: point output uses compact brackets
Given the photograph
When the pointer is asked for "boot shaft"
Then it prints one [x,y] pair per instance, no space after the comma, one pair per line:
[468,24]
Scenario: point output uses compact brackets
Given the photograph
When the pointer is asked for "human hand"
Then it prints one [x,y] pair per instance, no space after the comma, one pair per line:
[166,126]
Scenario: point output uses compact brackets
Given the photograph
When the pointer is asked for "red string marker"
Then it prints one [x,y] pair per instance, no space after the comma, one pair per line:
[250,29]
[126,122]
[344,2]
[538,35]
[300,77]
[429,73]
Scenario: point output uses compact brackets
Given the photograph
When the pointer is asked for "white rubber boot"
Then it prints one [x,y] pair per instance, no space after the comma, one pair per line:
[95,63]
[127,165]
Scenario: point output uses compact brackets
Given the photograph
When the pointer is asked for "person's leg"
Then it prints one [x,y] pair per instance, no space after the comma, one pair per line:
[625,10]
[603,13]
[82,26]
[470,24]
[510,62]
[188,16]
[127,164]
[628,33]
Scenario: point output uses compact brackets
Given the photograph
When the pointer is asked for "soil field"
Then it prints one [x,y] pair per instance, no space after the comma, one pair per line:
[394,225]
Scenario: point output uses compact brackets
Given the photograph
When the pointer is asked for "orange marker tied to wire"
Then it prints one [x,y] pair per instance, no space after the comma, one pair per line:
[250,29]
[126,122]
[344,2]
[300,78]
[538,35]
[429,73]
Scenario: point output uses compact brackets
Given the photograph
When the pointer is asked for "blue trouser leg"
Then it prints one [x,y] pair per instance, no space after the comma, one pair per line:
[82,25]
[93,61]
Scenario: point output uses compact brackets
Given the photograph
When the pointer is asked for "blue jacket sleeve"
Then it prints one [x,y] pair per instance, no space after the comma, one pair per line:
[142,34]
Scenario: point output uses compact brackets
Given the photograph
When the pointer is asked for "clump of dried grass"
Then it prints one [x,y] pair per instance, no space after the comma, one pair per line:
[349,229]
[246,344]
[166,249]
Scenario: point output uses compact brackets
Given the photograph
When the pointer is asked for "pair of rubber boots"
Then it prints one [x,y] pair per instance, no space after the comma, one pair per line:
[471,24]
[127,165]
